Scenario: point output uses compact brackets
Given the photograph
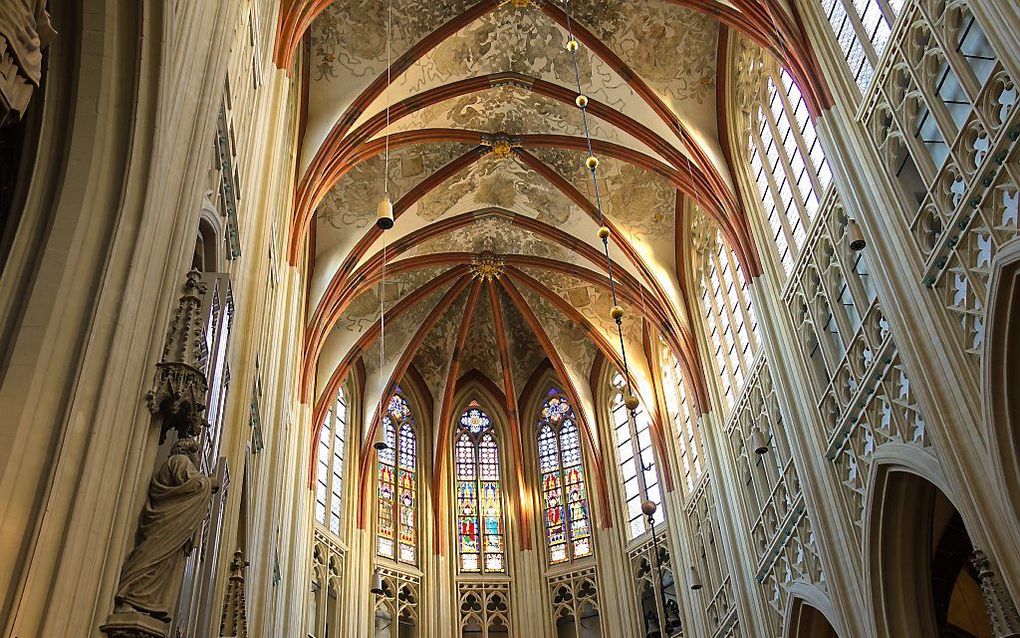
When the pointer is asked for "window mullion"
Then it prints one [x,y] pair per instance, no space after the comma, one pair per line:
[774,191]
[797,196]
[863,37]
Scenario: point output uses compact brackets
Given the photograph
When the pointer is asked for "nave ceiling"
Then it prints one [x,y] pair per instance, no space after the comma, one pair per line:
[496,222]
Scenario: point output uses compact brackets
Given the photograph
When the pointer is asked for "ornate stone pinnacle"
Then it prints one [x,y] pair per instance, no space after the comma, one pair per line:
[487,266]
[1001,611]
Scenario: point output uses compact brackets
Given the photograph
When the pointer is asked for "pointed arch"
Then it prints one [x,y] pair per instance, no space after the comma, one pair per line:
[809,613]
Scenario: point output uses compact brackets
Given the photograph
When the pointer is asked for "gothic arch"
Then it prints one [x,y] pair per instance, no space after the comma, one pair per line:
[1000,374]
[917,550]
[809,613]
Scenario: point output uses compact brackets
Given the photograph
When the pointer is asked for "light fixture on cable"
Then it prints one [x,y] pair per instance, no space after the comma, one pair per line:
[384,213]
[384,221]
[591,162]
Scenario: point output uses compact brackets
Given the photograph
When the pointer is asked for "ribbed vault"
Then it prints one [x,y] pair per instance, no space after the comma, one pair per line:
[493,271]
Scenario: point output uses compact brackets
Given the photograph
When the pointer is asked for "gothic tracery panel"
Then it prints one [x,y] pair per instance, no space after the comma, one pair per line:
[480,532]
[564,488]
[397,529]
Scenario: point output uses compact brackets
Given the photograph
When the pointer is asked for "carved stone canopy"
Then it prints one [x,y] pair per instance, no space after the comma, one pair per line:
[180,388]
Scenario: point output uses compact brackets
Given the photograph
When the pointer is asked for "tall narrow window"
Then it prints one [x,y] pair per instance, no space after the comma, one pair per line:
[633,442]
[684,424]
[788,166]
[329,484]
[564,491]
[862,29]
[479,494]
[729,319]
[398,484]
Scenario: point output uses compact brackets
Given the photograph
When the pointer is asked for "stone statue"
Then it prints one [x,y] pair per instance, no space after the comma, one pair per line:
[24,31]
[179,496]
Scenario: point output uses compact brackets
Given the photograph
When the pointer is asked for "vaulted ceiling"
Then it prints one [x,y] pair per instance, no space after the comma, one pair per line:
[494,261]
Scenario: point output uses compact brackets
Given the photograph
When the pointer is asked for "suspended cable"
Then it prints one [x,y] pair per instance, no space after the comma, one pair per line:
[648,507]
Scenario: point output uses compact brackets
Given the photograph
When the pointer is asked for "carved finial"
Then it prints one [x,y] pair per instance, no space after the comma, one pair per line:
[234,620]
[180,388]
[1001,611]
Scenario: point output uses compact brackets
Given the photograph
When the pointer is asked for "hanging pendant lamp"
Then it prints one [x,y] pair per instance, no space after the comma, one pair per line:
[377,587]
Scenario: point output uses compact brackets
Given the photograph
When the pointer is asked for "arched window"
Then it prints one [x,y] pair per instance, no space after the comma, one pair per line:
[329,473]
[729,318]
[862,29]
[684,424]
[633,441]
[398,485]
[787,164]
[564,490]
[479,493]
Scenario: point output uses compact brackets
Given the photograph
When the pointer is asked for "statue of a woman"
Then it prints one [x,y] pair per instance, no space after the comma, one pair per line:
[24,30]
[179,495]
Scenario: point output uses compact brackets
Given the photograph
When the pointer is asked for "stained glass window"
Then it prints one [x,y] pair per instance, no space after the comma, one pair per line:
[329,471]
[479,494]
[564,490]
[633,441]
[398,484]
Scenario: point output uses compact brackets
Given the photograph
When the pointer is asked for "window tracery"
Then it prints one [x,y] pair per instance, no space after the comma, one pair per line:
[862,29]
[718,603]
[685,426]
[329,471]
[633,440]
[941,117]
[397,609]
[656,597]
[784,152]
[328,561]
[484,610]
[479,494]
[575,604]
[564,488]
[730,322]
[397,530]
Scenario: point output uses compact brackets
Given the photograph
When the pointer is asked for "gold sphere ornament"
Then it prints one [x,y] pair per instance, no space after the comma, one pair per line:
[631,402]
[581,101]
[603,232]
[616,312]
[648,508]
[572,45]
[592,162]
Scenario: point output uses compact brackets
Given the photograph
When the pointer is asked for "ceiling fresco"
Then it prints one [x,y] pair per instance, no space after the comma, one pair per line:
[488,104]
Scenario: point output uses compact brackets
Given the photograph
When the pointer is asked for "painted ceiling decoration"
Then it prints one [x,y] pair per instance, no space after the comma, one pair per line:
[495,270]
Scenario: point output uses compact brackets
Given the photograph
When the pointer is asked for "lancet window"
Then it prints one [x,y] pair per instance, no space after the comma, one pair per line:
[564,489]
[398,484]
[685,426]
[730,322]
[633,440]
[329,471]
[479,492]
[862,29]
[787,164]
